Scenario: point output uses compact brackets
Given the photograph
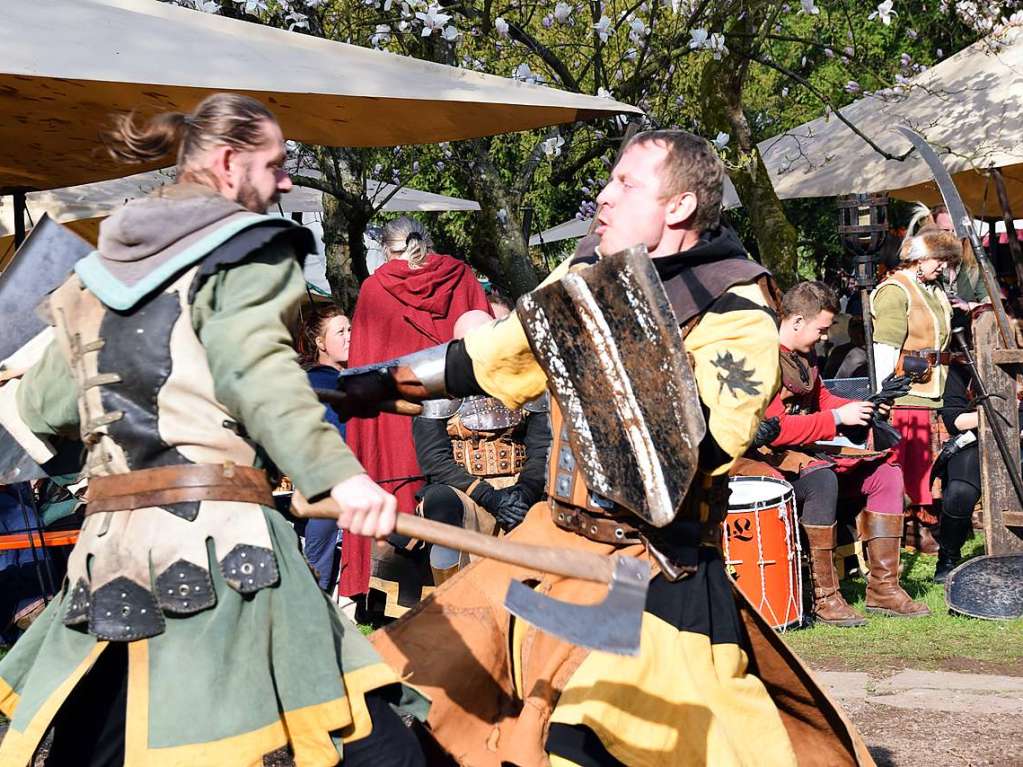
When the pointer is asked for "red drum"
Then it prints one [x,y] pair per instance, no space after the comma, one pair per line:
[761,547]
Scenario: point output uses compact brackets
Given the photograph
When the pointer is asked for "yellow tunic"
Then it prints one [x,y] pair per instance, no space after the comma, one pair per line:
[504,692]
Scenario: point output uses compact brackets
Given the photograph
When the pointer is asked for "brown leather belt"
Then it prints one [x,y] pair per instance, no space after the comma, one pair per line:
[599,529]
[934,357]
[612,530]
[178,484]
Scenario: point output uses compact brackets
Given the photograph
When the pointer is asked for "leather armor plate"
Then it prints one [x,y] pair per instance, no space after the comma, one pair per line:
[611,347]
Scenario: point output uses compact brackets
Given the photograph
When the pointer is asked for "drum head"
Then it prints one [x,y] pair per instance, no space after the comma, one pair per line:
[756,492]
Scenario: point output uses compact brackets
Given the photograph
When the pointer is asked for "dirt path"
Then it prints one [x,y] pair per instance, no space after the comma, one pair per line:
[934,718]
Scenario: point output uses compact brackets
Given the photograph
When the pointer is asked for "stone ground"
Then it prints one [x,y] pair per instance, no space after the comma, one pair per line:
[934,718]
[917,718]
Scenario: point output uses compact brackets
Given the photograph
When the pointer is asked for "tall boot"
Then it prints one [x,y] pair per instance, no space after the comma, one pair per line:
[440,575]
[829,606]
[954,533]
[882,534]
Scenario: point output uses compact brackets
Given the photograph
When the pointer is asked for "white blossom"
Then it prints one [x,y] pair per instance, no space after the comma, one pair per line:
[552,146]
[450,33]
[253,6]
[297,20]
[603,28]
[809,7]
[698,38]
[563,12]
[884,12]
[433,20]
[524,73]
[717,46]
[501,26]
[604,93]
[381,36]
[721,140]
[638,30]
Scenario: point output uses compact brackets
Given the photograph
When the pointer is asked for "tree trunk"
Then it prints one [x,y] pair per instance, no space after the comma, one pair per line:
[499,248]
[722,83]
[343,282]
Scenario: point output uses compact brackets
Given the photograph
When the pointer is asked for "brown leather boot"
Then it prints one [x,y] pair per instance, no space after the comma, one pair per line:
[828,604]
[882,534]
[440,576]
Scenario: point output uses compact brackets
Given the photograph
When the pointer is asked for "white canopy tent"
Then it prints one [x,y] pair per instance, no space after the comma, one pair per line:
[104,197]
[969,106]
[85,205]
[575,228]
[67,65]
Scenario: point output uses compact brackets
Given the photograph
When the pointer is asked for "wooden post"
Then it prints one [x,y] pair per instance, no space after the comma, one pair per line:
[1001,507]
[1010,228]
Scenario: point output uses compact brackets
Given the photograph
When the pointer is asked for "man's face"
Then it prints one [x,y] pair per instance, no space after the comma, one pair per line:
[261,178]
[808,332]
[630,209]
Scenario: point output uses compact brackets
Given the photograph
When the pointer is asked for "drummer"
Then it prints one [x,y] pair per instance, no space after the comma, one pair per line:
[803,413]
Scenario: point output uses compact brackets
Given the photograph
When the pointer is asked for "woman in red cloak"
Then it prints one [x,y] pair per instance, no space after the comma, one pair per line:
[410,303]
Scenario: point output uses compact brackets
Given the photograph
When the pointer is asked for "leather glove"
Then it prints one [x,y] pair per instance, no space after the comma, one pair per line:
[371,391]
[892,388]
[767,432]
[511,508]
[885,435]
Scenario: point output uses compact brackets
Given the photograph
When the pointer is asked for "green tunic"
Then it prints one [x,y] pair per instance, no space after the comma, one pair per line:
[257,672]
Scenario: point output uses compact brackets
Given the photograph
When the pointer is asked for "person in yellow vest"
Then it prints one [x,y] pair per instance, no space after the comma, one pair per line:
[912,321]
[711,684]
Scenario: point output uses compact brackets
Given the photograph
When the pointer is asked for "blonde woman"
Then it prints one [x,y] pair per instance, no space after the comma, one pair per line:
[410,303]
[912,320]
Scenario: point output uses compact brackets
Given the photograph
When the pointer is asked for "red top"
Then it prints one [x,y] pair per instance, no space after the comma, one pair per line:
[818,424]
[399,311]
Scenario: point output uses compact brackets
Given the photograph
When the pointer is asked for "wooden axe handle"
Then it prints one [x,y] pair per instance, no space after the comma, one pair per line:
[564,562]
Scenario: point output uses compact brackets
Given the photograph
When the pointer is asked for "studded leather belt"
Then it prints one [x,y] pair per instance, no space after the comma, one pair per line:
[599,529]
[178,484]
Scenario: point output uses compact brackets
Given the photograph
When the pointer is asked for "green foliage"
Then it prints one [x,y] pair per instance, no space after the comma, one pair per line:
[785,64]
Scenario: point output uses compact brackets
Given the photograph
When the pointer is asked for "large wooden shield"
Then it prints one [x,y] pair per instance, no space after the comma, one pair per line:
[612,350]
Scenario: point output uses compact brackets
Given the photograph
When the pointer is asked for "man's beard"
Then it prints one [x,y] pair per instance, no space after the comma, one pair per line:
[249,197]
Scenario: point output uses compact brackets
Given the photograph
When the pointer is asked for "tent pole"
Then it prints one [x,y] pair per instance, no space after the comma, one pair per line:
[1010,228]
[19,218]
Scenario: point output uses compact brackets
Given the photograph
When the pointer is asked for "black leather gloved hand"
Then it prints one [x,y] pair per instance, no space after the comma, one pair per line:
[885,435]
[767,432]
[892,388]
[511,508]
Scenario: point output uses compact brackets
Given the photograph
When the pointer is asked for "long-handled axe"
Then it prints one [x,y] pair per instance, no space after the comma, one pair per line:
[612,625]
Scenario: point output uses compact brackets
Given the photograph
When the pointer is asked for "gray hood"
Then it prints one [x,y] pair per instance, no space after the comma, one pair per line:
[153,224]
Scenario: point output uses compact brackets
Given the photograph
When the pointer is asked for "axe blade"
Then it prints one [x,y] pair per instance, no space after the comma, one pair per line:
[612,625]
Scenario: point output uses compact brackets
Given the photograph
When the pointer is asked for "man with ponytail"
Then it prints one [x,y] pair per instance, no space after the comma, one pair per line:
[190,630]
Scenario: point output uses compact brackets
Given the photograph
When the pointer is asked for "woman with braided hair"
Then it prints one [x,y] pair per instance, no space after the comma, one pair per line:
[410,303]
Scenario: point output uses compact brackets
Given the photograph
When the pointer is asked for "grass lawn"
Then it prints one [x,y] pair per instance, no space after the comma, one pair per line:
[938,641]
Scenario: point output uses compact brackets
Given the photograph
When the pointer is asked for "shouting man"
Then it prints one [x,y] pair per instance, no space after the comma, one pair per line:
[711,683]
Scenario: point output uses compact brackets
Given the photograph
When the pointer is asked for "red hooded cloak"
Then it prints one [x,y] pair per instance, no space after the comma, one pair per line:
[399,311]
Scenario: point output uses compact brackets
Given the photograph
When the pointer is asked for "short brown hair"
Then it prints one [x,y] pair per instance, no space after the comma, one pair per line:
[691,166]
[223,118]
[808,299]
